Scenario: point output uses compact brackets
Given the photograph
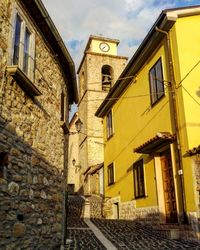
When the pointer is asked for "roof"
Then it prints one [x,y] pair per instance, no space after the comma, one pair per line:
[154,144]
[47,28]
[165,21]
[194,151]
[93,169]
[92,37]
[96,168]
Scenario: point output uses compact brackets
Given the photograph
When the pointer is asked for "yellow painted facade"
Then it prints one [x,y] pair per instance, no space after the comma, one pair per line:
[136,121]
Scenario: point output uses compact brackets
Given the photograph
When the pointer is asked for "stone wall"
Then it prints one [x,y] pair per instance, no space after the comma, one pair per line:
[95,206]
[73,166]
[30,134]
[128,211]
[195,217]
[30,196]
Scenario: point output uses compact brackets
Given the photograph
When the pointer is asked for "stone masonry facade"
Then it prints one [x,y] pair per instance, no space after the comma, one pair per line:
[91,147]
[32,143]
[128,211]
[195,217]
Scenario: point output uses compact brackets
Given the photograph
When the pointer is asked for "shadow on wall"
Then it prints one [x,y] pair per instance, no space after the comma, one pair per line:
[31,195]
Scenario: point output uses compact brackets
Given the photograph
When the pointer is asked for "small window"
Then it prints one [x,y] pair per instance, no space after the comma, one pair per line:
[62,106]
[138,174]
[156,82]
[109,124]
[111,174]
[3,164]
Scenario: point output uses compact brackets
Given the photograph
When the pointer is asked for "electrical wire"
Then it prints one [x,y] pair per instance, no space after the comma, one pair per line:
[190,95]
[127,97]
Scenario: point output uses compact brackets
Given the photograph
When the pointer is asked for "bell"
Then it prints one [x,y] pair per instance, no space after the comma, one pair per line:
[106,80]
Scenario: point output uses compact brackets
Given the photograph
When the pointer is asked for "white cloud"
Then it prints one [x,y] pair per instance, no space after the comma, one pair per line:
[126,20]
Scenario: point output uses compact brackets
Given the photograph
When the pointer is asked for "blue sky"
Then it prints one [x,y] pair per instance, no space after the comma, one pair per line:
[126,20]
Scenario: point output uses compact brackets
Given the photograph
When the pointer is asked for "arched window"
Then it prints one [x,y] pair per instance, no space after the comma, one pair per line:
[107,77]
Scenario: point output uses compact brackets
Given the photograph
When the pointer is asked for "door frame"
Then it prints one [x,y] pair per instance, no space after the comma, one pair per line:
[159,183]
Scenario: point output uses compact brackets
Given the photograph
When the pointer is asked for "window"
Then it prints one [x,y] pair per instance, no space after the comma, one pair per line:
[110,174]
[23,49]
[156,82]
[62,106]
[3,164]
[138,174]
[109,124]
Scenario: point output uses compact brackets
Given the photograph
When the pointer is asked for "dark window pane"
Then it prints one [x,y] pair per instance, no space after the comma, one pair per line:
[110,174]
[153,85]
[109,125]
[159,77]
[62,106]
[138,174]
[26,50]
[17,40]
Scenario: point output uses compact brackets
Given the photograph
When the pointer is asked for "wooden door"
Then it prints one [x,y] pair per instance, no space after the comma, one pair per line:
[168,186]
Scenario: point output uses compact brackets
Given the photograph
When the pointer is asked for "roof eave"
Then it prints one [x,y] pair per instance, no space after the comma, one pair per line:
[56,43]
[153,38]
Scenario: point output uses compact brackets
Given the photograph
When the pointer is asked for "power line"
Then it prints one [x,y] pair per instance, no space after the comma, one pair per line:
[190,95]
[127,97]
[121,78]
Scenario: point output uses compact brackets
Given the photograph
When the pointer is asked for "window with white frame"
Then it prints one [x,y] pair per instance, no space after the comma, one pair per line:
[109,124]
[23,46]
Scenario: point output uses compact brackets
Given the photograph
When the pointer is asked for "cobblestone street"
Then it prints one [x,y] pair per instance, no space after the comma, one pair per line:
[122,234]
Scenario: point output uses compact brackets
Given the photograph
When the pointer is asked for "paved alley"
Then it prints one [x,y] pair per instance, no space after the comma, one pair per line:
[78,231]
[122,234]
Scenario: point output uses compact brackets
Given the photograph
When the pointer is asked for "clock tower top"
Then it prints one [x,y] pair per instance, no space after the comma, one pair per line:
[100,45]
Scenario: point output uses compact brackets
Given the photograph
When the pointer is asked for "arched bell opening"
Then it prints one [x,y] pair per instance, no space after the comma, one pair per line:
[107,77]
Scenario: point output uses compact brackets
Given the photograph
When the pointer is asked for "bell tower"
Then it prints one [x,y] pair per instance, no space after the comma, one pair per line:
[98,71]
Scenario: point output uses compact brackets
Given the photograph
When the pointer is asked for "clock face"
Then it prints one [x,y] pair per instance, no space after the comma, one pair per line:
[104,47]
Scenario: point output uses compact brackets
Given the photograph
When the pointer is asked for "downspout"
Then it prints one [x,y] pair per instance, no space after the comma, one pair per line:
[175,116]
[65,198]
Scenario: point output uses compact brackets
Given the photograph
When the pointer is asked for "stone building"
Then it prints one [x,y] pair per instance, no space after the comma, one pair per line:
[73,163]
[37,85]
[99,69]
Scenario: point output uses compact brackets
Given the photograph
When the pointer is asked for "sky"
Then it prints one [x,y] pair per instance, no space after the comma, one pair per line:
[126,20]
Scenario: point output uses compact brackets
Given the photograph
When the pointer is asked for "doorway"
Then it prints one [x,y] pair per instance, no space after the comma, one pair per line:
[168,187]
[116,210]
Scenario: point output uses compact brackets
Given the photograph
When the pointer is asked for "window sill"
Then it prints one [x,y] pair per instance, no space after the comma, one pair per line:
[108,138]
[23,81]
[140,197]
[110,184]
[157,101]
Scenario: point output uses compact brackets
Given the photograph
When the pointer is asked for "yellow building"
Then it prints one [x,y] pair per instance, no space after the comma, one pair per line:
[151,120]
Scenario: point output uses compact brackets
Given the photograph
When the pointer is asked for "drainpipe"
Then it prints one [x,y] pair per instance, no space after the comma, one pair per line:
[175,118]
